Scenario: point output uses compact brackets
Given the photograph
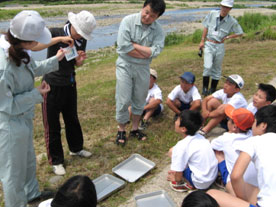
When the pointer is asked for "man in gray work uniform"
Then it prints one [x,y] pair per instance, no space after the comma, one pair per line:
[140,38]
[218,24]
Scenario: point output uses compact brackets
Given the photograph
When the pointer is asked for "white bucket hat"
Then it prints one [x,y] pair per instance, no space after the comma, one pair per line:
[83,22]
[29,26]
[227,3]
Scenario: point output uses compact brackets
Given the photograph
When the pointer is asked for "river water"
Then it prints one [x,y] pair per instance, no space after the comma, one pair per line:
[104,36]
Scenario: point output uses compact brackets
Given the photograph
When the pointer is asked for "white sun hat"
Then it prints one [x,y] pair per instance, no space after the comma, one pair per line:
[227,3]
[84,23]
[29,26]
[236,79]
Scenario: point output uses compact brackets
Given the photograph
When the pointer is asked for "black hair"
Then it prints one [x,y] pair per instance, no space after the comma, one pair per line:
[191,120]
[16,53]
[269,90]
[199,199]
[157,6]
[78,191]
[267,114]
[232,82]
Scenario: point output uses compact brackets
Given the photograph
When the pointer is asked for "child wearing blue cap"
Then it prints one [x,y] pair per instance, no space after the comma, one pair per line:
[185,95]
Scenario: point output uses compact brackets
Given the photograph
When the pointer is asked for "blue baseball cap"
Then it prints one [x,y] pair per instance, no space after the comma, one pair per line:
[189,77]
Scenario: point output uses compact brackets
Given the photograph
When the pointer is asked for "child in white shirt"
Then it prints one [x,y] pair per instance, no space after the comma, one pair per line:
[185,95]
[264,96]
[239,124]
[213,106]
[193,164]
[261,150]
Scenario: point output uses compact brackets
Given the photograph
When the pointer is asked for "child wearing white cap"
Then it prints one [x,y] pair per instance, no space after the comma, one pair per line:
[213,106]
[218,24]
[63,95]
[18,97]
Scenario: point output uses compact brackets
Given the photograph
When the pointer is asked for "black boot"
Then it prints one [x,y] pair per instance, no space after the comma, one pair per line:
[205,85]
[214,84]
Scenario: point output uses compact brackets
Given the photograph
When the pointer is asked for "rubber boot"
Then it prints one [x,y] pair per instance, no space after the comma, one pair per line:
[205,85]
[214,84]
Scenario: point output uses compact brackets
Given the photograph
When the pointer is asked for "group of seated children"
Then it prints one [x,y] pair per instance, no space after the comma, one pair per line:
[244,160]
[241,156]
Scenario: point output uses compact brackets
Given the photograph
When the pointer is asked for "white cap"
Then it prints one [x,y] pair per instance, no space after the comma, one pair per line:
[29,26]
[227,3]
[153,73]
[83,22]
[236,79]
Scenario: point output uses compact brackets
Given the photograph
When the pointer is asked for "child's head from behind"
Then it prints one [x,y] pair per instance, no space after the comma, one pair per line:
[240,120]
[199,199]
[188,122]
[77,191]
[264,96]
[265,120]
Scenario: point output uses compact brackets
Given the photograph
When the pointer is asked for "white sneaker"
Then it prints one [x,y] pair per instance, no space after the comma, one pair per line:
[59,169]
[82,153]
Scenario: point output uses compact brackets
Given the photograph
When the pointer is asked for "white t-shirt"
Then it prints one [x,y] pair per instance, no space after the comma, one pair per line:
[46,203]
[196,153]
[252,108]
[156,93]
[262,151]
[228,143]
[178,93]
[237,100]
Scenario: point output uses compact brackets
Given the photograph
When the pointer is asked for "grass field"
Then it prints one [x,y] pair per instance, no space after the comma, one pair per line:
[254,61]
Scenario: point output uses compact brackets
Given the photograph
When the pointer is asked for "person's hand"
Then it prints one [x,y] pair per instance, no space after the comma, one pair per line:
[201,44]
[60,54]
[43,88]
[171,175]
[81,57]
[67,40]
[205,114]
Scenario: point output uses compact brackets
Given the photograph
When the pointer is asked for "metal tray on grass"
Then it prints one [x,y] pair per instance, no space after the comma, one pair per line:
[158,198]
[133,168]
[106,185]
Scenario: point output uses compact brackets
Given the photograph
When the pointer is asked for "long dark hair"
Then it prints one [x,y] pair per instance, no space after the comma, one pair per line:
[16,53]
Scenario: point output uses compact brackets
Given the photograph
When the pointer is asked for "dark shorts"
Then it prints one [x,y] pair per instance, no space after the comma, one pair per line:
[184,106]
[156,112]
[223,171]
[187,174]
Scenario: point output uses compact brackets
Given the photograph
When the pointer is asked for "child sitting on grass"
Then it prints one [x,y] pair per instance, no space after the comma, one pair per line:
[193,164]
[239,124]
[260,149]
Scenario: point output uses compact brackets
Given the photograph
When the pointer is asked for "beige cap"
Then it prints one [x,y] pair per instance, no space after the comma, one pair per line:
[153,73]
[83,22]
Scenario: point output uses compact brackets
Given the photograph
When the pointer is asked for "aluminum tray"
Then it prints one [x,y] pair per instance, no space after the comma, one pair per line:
[158,198]
[106,185]
[133,168]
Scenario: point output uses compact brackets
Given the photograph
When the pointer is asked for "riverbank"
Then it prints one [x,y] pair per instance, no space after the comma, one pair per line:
[103,10]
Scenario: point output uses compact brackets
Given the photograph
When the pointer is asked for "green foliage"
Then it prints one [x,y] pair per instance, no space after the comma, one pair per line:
[254,21]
